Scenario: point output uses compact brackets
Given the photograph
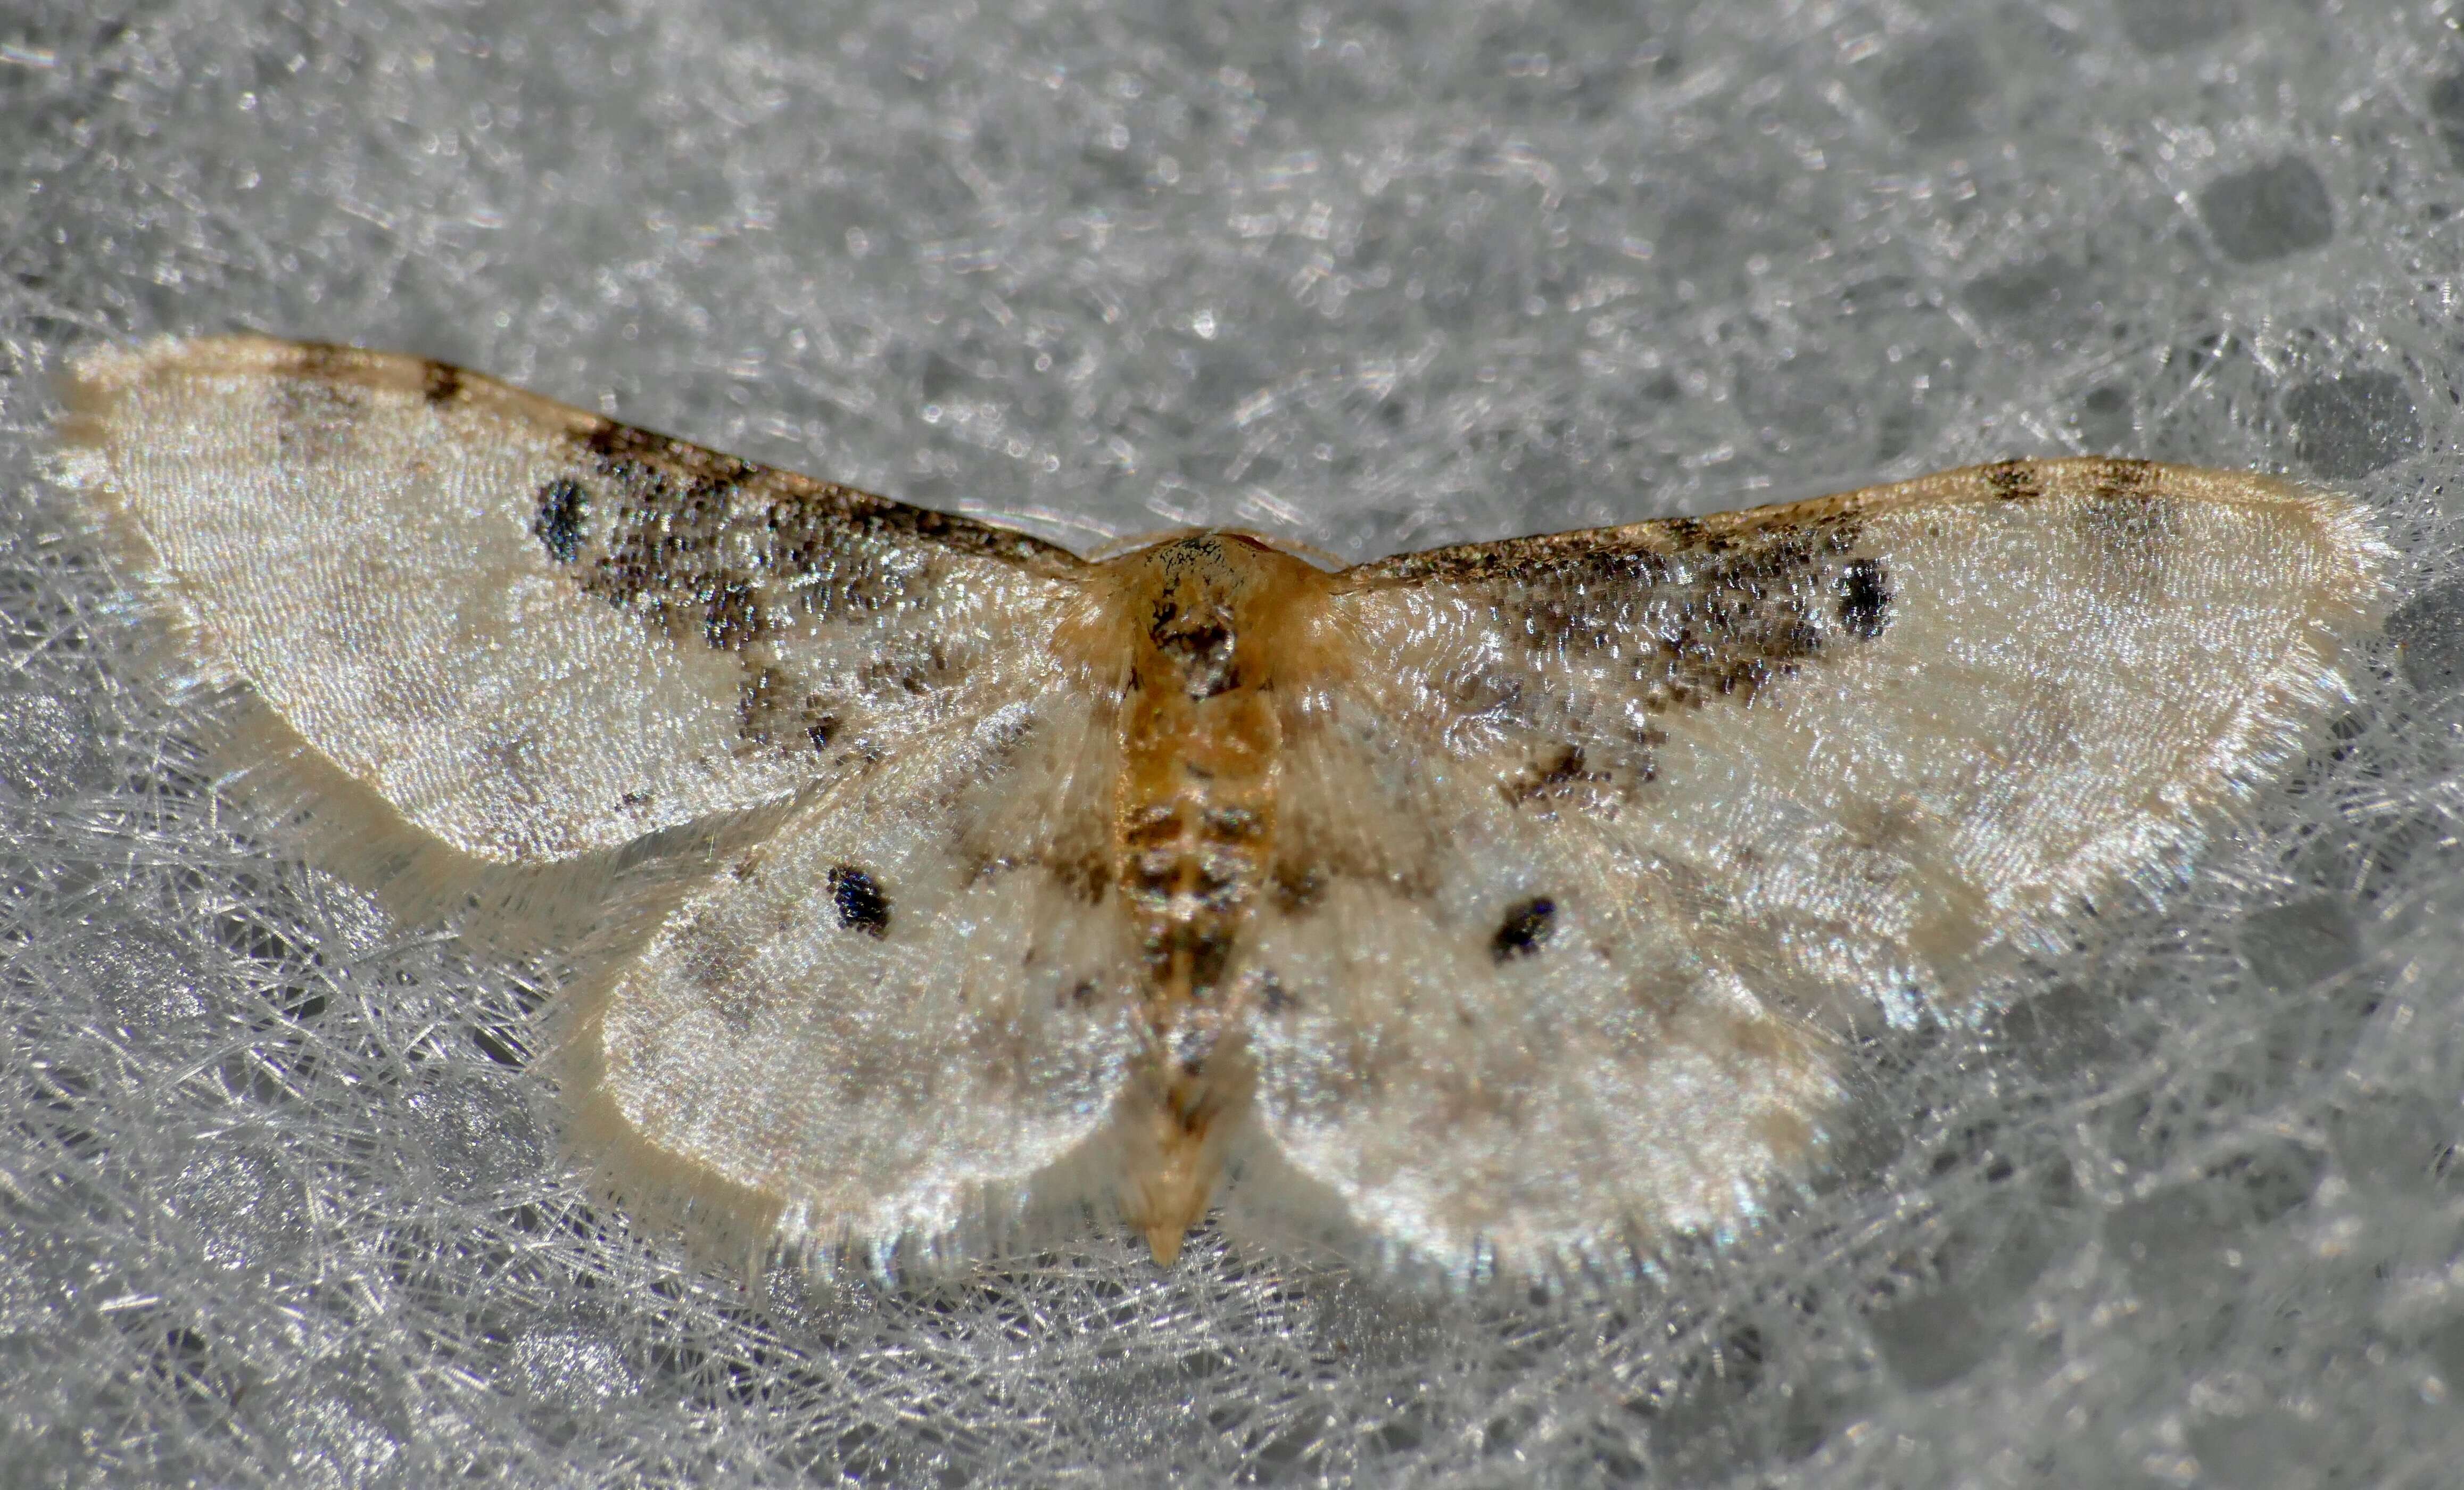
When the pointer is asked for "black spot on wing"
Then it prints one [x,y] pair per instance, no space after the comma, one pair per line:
[1527,925]
[557,524]
[1865,588]
[661,512]
[861,905]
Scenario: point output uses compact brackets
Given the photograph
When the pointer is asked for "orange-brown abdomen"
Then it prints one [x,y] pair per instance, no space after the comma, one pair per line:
[1214,621]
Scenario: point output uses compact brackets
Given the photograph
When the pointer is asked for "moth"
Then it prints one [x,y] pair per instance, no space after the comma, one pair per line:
[1515,906]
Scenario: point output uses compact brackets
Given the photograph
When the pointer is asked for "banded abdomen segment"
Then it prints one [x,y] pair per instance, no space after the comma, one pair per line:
[1196,819]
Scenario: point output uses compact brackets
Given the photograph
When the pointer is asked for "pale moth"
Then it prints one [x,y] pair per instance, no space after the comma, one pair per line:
[1511,905]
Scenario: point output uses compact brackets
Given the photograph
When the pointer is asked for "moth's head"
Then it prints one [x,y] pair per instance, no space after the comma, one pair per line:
[1273,544]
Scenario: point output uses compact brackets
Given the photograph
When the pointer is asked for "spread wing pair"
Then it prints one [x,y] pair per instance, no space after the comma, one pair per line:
[1585,849]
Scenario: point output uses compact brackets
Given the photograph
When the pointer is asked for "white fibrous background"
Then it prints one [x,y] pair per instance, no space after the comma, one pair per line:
[279,1202]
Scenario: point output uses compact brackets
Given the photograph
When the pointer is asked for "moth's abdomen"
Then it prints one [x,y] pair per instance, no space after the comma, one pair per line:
[1207,621]
[1195,804]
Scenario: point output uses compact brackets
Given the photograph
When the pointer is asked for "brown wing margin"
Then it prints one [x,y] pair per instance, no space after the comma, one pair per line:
[2094,476]
[691,469]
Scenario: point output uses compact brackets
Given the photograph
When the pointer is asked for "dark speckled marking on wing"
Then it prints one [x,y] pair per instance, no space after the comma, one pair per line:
[315,409]
[1671,616]
[2134,533]
[2015,480]
[443,383]
[710,550]
[2117,476]
[1563,772]
[777,713]
[562,507]
[1697,611]
[1864,590]
[662,513]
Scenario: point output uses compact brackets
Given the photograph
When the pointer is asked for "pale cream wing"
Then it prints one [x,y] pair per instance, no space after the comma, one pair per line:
[1504,1046]
[535,633]
[1611,836]
[891,1025]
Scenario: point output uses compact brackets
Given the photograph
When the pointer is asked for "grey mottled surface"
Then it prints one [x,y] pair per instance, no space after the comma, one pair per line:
[276,1206]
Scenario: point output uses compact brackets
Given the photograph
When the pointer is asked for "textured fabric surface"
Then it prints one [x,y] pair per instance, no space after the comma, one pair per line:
[278,1204]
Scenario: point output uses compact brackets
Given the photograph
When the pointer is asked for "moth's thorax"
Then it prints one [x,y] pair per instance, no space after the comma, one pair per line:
[1212,623]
